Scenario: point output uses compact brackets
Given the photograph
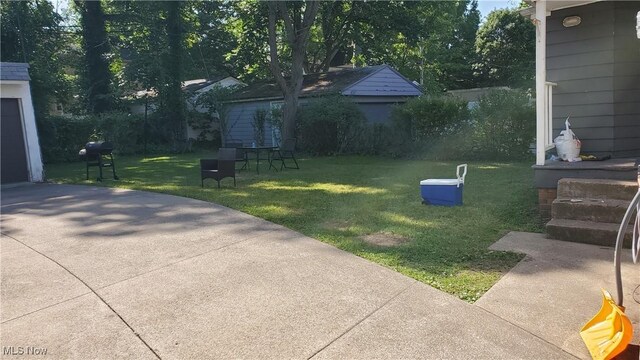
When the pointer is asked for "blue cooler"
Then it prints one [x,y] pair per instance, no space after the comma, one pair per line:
[445,192]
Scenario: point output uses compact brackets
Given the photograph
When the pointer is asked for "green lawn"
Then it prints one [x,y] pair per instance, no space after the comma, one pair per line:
[339,199]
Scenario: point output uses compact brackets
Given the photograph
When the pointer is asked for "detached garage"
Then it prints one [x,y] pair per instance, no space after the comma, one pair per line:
[20,151]
[375,89]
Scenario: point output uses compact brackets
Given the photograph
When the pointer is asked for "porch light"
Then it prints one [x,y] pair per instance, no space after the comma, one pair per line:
[571,21]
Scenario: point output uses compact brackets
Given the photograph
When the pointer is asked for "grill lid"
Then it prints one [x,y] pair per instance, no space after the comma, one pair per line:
[98,147]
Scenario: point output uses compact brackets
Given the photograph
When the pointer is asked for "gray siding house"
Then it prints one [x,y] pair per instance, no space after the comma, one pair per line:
[375,89]
[596,66]
[588,68]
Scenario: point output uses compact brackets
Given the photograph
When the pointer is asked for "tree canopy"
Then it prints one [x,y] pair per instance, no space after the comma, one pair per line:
[112,48]
[31,32]
[506,49]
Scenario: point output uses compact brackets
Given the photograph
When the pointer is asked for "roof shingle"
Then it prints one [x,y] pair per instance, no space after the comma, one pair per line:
[14,71]
[333,81]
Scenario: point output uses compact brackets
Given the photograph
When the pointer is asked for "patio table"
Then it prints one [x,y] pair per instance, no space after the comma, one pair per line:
[257,150]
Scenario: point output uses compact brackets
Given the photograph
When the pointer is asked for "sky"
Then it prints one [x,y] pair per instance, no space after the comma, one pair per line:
[486,6]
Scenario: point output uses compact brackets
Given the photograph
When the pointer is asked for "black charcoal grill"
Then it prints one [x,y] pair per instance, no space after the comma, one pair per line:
[100,154]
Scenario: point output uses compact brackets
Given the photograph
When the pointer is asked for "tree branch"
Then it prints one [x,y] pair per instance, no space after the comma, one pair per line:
[274,61]
[289,27]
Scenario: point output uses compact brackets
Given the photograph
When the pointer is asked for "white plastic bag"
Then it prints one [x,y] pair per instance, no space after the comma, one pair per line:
[567,144]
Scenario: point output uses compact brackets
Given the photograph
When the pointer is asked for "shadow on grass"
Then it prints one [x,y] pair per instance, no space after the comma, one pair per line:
[448,247]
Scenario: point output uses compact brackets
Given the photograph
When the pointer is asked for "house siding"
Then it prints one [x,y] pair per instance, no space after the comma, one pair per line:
[385,82]
[377,110]
[377,113]
[596,66]
[626,83]
[240,119]
[597,82]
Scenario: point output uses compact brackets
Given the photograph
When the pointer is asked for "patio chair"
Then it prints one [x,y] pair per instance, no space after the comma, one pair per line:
[241,154]
[222,167]
[286,152]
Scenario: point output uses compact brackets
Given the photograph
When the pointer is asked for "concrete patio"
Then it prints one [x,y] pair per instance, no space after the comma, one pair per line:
[92,272]
[555,290]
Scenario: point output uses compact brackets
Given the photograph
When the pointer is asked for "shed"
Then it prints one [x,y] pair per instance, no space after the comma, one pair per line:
[21,160]
[375,89]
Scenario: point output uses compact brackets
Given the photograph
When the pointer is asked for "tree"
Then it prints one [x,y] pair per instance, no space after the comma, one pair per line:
[506,48]
[456,64]
[215,101]
[296,27]
[171,91]
[97,82]
[30,32]
[153,39]
[208,39]
[248,26]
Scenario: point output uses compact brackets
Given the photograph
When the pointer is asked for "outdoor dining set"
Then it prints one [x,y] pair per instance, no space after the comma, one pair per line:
[225,165]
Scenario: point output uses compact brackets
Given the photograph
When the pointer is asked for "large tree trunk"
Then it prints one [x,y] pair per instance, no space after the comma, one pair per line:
[296,28]
[289,113]
[96,47]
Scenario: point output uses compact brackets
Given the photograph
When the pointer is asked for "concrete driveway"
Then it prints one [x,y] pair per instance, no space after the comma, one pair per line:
[102,273]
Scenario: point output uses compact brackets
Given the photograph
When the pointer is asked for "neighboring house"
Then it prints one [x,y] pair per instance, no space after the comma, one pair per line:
[192,89]
[472,96]
[20,151]
[375,89]
[588,68]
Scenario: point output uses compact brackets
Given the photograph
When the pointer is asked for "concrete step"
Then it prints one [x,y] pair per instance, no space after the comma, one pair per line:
[586,232]
[597,189]
[597,210]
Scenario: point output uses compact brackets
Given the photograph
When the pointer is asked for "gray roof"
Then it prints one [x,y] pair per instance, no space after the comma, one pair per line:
[14,71]
[333,81]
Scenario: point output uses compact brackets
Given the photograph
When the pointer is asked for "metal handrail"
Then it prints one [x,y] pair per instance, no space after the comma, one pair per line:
[620,240]
[548,124]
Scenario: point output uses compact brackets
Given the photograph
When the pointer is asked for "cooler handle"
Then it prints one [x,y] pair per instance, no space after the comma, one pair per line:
[461,177]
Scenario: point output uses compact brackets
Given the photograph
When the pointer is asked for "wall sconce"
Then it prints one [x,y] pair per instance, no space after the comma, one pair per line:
[571,21]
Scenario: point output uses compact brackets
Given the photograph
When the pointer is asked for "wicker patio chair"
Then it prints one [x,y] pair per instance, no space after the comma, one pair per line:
[222,167]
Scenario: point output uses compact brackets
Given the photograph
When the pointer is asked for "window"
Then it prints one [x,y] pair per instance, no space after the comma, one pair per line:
[638,24]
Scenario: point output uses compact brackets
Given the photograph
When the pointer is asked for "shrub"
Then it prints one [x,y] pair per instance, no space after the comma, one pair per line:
[330,125]
[275,121]
[504,124]
[61,137]
[123,130]
[206,125]
[259,122]
[426,119]
[501,127]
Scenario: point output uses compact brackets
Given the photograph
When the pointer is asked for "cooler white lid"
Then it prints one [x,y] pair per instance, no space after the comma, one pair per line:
[440,182]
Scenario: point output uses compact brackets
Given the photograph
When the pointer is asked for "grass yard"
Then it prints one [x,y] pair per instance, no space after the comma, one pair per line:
[341,200]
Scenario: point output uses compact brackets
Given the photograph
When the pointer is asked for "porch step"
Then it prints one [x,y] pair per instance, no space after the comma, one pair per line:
[586,232]
[596,210]
[597,189]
